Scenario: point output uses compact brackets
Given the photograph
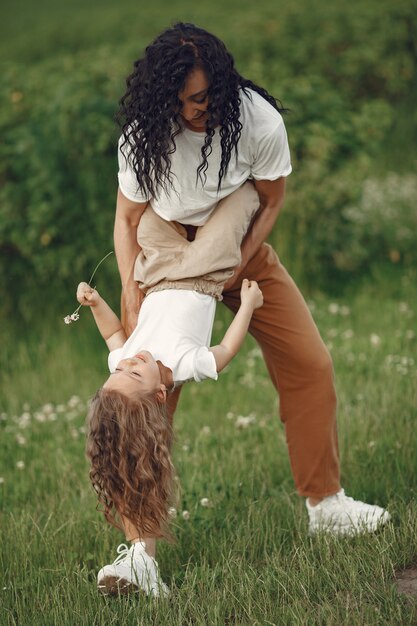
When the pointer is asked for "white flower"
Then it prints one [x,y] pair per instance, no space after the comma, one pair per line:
[26,406]
[205,502]
[48,408]
[375,339]
[67,319]
[20,439]
[75,316]
[73,401]
[186,515]
[1,480]
[410,334]
[20,465]
[230,415]
[347,334]
[172,512]
[333,308]
[206,430]
[245,421]
[371,444]
[185,447]
[344,310]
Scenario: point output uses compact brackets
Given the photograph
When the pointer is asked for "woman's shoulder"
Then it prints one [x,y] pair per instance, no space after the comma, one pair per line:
[255,110]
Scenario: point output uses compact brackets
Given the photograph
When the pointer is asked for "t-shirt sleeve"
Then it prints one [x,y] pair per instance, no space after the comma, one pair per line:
[113,359]
[204,365]
[272,156]
[127,177]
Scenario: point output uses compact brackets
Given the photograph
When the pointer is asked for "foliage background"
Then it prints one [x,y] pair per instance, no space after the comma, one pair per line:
[347,72]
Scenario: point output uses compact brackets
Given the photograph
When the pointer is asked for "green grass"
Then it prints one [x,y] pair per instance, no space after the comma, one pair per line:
[246,559]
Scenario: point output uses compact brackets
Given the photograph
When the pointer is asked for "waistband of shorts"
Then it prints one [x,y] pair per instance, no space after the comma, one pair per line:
[191,284]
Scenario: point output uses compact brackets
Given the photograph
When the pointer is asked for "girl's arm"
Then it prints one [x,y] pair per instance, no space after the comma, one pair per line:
[107,321]
[251,299]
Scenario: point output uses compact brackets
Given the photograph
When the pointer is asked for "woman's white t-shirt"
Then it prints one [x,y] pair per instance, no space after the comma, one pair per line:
[175,326]
[263,154]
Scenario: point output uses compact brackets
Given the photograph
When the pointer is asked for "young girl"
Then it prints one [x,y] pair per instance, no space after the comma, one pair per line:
[129,436]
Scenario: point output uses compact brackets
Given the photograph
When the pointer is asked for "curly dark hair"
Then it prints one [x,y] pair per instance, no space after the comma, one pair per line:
[150,108]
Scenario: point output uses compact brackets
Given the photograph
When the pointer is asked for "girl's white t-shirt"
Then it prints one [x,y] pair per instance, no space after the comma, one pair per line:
[263,154]
[175,326]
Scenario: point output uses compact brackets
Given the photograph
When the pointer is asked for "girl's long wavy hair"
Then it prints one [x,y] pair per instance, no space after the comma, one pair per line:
[129,448]
[150,109]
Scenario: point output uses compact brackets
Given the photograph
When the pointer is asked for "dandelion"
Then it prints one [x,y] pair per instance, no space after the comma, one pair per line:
[20,439]
[333,308]
[375,339]
[230,415]
[244,421]
[205,502]
[172,512]
[186,515]
[73,317]
[20,465]
[73,401]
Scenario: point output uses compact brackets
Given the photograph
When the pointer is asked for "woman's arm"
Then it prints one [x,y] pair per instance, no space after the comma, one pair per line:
[107,321]
[126,247]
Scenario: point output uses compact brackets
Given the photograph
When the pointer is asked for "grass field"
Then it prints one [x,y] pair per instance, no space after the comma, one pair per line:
[245,559]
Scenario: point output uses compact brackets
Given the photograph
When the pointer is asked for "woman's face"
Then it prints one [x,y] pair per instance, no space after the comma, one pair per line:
[194,100]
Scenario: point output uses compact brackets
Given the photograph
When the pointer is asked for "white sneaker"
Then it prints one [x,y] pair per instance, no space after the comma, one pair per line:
[132,571]
[341,515]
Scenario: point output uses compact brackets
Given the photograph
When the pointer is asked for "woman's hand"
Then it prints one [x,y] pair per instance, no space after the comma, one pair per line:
[250,294]
[86,295]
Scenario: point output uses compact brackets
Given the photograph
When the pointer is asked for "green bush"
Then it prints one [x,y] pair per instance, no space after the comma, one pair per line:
[338,68]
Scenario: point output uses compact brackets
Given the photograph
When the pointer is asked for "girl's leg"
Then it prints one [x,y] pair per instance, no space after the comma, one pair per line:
[132,536]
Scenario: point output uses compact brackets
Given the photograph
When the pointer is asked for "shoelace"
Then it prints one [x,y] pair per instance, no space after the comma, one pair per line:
[122,551]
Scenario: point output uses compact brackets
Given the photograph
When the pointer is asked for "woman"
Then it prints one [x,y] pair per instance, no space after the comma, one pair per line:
[193,130]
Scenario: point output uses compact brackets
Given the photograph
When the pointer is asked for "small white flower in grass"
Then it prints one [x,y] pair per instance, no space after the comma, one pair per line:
[82,430]
[347,334]
[375,339]
[333,308]
[230,415]
[3,417]
[73,401]
[371,444]
[67,319]
[74,433]
[245,421]
[60,408]
[20,465]
[205,502]
[410,334]
[40,417]
[172,512]
[1,480]
[21,440]
[186,515]
[344,310]
[185,447]
[48,408]
[206,430]
[403,307]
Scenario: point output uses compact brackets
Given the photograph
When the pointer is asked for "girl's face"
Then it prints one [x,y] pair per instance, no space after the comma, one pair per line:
[194,100]
[137,375]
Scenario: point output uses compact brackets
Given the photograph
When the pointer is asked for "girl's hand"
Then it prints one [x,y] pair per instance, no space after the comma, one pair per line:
[86,295]
[250,294]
